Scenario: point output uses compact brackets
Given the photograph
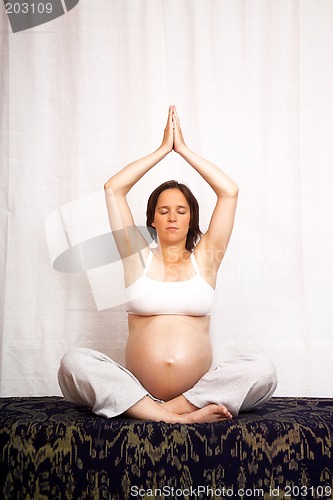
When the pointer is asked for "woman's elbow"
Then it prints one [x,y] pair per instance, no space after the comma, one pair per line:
[113,185]
[110,184]
[231,192]
[235,191]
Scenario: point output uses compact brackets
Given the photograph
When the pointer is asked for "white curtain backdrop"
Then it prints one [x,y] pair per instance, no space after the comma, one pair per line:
[85,94]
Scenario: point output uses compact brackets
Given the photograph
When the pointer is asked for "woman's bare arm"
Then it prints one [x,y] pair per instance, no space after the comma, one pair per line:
[215,241]
[128,238]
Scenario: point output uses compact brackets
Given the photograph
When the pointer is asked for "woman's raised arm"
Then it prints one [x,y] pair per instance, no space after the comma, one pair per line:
[215,241]
[128,238]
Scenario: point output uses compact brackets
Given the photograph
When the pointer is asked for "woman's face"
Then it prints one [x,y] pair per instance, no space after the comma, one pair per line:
[172,216]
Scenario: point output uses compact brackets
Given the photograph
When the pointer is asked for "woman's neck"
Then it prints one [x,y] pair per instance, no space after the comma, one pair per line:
[172,253]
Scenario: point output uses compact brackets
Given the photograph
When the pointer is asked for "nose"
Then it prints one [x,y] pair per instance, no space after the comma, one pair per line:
[172,217]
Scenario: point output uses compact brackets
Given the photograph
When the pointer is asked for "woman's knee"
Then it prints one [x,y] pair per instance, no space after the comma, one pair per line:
[80,360]
[74,360]
[266,372]
[264,380]
[261,370]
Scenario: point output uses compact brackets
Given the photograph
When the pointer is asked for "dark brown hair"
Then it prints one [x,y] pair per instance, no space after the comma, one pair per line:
[194,232]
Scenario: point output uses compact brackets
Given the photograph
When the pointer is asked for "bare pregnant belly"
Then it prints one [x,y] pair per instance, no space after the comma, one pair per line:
[168,353]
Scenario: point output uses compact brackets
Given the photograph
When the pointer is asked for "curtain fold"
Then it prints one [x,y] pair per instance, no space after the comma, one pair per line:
[85,94]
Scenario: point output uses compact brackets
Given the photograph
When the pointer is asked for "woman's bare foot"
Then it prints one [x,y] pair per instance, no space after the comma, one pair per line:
[182,406]
[147,409]
[209,413]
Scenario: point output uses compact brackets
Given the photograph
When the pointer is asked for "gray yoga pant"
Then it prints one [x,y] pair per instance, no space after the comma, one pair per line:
[90,378]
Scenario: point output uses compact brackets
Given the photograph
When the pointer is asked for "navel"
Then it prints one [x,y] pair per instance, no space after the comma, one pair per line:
[169,363]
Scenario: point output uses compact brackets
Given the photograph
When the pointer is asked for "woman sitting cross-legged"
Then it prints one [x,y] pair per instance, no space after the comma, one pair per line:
[170,289]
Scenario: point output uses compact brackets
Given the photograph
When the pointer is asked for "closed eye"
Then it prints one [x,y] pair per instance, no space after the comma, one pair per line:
[180,210]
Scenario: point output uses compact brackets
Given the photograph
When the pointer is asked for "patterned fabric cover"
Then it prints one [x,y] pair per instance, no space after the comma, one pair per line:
[51,449]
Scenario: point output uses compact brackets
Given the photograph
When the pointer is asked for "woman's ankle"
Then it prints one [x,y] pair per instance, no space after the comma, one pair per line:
[179,405]
[148,409]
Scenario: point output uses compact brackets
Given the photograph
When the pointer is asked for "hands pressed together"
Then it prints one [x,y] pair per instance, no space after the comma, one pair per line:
[173,137]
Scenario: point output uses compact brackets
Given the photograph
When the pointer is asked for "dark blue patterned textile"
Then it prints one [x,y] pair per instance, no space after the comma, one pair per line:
[51,449]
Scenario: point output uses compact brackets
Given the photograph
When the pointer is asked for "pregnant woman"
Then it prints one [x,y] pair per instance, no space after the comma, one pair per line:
[170,290]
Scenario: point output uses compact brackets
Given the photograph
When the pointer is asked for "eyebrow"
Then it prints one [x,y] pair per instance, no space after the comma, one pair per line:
[166,206]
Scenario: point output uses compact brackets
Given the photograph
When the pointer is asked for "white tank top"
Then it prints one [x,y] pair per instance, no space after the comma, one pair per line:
[149,297]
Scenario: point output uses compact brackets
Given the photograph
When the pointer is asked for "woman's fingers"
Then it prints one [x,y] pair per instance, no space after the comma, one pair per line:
[168,132]
[176,117]
[173,138]
[178,140]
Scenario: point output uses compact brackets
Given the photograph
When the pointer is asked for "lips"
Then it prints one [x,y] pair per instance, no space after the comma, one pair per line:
[172,228]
